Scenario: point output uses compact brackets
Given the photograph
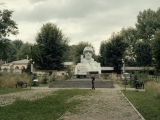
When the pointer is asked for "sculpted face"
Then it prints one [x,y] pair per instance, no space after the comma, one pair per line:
[88,54]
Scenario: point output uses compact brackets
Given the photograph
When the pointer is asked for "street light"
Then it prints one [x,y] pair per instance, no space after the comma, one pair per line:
[123,65]
[125,80]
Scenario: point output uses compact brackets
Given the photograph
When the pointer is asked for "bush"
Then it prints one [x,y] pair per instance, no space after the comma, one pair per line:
[10,79]
[44,79]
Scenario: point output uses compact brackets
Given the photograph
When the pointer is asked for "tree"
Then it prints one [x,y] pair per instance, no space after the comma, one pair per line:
[4,45]
[70,53]
[130,36]
[12,53]
[51,46]
[18,44]
[102,52]
[113,51]
[24,51]
[7,26]
[148,22]
[156,48]
[143,53]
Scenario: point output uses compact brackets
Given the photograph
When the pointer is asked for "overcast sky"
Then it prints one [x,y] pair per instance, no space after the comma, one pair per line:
[80,20]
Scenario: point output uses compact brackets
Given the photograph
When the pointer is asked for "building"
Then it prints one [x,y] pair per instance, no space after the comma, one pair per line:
[15,66]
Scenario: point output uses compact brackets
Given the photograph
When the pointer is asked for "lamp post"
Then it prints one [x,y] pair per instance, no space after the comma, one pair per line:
[125,80]
[123,65]
[31,61]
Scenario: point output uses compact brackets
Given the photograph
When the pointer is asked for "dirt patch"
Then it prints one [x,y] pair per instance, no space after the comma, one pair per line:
[24,95]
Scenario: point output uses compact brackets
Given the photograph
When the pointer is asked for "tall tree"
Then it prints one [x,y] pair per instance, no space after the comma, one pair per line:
[156,48]
[130,36]
[52,47]
[113,51]
[7,27]
[143,53]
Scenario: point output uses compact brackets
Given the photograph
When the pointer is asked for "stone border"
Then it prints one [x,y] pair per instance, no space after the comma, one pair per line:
[132,106]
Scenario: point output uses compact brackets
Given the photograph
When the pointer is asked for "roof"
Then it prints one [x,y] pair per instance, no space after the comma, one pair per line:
[24,61]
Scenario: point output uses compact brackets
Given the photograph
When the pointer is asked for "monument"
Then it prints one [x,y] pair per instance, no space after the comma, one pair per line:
[87,65]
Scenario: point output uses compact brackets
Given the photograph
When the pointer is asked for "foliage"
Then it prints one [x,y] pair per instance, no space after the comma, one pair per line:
[156,48]
[48,108]
[44,79]
[69,73]
[18,50]
[69,54]
[50,48]
[148,23]
[4,45]
[112,51]
[7,26]
[143,53]
[130,36]
[10,79]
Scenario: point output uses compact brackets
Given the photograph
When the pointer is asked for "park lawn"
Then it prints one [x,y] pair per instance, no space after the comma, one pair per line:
[48,108]
[147,103]
[6,90]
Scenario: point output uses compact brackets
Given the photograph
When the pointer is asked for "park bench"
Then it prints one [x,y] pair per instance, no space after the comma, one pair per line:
[21,84]
[138,84]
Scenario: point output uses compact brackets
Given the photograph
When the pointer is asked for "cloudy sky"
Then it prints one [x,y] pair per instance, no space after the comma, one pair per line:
[80,20]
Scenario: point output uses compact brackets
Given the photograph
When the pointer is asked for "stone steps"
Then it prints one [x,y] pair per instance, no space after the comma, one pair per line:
[81,83]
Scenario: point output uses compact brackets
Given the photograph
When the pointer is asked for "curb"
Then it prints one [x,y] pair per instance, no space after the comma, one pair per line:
[132,106]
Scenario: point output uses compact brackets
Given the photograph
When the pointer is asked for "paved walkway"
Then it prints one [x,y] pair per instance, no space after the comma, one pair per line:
[103,104]
[108,104]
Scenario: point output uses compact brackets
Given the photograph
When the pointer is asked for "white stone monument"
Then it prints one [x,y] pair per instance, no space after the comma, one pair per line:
[87,65]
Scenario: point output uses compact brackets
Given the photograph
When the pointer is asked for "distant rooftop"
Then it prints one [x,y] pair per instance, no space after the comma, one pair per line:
[24,61]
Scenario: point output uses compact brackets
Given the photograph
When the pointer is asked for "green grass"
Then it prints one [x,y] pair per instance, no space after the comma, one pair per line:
[6,90]
[147,103]
[48,108]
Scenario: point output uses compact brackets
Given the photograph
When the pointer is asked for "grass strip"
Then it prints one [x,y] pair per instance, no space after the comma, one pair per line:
[147,103]
[48,108]
[6,90]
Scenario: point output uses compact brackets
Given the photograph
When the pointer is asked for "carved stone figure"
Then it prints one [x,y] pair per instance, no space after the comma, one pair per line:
[87,64]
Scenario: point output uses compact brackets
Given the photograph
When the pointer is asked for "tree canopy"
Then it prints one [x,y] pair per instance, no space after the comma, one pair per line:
[50,48]
[7,25]
[112,51]
[156,48]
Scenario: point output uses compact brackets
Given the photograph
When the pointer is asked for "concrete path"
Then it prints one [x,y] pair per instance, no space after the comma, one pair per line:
[103,104]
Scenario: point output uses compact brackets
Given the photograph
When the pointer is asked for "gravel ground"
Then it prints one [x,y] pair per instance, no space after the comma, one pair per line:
[103,104]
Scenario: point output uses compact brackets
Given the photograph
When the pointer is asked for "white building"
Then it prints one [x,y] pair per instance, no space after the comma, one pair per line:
[15,66]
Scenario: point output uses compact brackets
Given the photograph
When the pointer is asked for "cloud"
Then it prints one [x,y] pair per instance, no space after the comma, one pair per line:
[80,20]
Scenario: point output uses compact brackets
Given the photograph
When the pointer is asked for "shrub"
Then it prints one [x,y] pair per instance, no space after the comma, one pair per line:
[44,79]
[10,79]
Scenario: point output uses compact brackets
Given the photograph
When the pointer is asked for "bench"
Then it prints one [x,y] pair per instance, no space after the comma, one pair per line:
[138,84]
[21,84]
